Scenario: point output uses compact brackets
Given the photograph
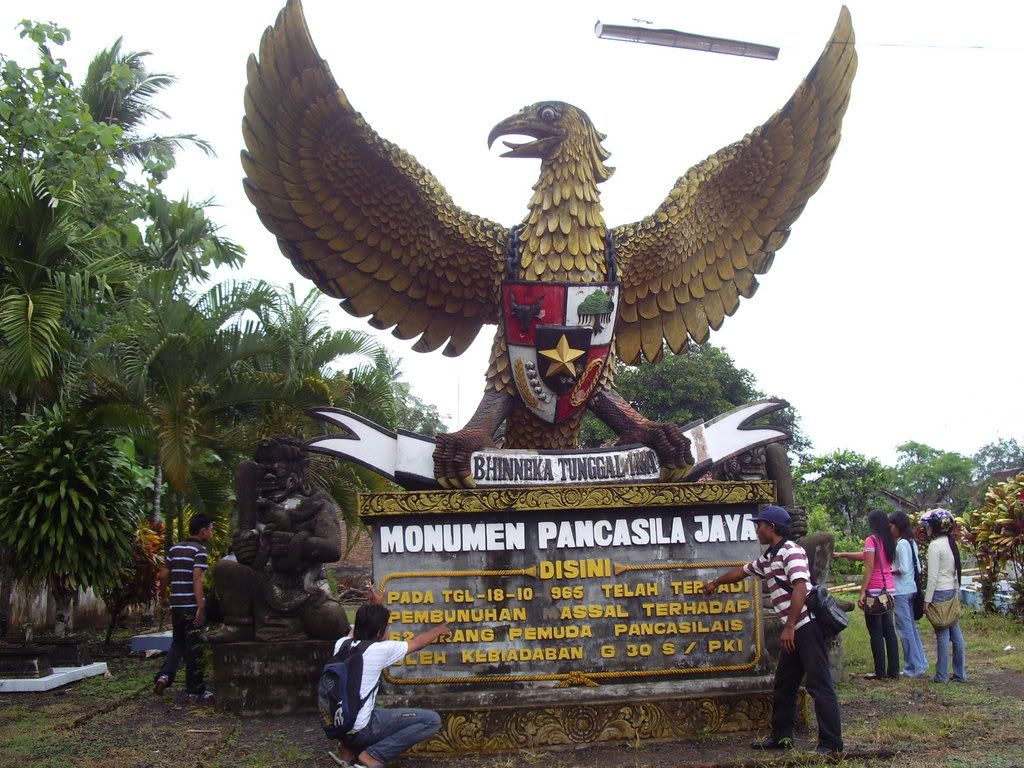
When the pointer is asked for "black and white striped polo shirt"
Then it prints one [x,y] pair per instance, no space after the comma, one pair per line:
[182,560]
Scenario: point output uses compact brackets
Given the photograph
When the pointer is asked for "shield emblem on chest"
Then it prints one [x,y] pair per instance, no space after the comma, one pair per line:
[559,336]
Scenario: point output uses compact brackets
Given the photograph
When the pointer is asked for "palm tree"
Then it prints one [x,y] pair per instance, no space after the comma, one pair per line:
[181,239]
[183,372]
[52,267]
[308,362]
[120,91]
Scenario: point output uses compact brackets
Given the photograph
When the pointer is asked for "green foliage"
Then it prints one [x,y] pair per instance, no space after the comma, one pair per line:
[414,414]
[997,456]
[119,91]
[701,383]
[996,532]
[932,477]
[69,503]
[818,519]
[843,483]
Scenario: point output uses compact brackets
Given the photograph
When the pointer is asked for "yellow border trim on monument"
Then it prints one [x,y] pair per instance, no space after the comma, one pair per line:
[565,497]
[580,677]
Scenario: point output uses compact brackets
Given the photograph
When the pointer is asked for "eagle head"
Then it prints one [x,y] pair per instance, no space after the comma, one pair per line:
[561,133]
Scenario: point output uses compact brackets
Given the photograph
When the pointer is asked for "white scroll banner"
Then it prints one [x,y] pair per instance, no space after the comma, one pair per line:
[408,458]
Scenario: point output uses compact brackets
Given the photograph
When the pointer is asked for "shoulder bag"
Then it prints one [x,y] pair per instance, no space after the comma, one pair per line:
[877,605]
[944,614]
[823,608]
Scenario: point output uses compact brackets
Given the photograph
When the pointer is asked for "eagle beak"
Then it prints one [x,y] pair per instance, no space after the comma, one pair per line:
[544,135]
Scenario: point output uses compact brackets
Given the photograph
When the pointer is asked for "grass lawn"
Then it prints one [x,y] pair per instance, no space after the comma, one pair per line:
[118,723]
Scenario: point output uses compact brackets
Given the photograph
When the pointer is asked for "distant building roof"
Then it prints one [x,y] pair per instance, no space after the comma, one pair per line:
[899,501]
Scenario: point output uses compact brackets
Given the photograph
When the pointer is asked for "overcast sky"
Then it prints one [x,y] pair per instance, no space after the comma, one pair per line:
[893,312]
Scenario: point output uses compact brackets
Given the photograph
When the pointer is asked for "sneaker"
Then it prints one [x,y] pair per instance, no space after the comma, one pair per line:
[160,685]
[772,743]
[206,697]
[870,676]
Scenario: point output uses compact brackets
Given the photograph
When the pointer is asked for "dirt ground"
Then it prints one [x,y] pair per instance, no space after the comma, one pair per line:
[118,723]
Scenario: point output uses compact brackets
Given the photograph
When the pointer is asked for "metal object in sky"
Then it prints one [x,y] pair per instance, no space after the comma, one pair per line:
[675,39]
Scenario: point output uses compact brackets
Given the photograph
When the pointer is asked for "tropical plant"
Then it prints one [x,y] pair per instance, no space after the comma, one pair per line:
[975,532]
[120,91]
[53,269]
[69,506]
[139,580]
[997,529]
[182,373]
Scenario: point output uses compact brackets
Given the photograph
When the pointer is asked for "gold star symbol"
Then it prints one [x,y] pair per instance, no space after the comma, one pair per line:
[562,356]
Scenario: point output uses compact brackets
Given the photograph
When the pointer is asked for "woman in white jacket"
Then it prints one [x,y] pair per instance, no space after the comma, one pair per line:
[944,584]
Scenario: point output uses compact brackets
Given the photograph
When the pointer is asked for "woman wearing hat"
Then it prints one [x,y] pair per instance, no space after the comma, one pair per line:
[944,573]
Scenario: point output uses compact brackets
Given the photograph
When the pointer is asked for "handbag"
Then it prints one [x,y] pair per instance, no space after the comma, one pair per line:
[944,614]
[878,605]
[917,601]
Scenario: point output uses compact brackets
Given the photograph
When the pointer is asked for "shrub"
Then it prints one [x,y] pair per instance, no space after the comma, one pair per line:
[69,505]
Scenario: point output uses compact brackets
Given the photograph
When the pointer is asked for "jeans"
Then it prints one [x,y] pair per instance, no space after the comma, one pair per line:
[811,659]
[914,661]
[884,650]
[943,637]
[186,642]
[392,731]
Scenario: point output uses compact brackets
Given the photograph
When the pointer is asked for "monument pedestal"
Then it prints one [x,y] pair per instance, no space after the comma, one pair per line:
[501,729]
[256,679]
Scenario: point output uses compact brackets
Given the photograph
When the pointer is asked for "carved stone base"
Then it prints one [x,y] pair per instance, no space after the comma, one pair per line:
[268,678]
[497,729]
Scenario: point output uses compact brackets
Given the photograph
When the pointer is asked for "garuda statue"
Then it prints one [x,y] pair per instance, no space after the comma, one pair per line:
[569,295]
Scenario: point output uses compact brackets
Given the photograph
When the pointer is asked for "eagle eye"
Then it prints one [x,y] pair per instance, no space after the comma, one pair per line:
[548,114]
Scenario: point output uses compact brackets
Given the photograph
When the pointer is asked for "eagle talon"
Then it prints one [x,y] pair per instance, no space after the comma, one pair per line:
[669,442]
[452,454]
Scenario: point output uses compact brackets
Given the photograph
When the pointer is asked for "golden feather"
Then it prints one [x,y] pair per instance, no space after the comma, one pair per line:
[310,159]
[739,203]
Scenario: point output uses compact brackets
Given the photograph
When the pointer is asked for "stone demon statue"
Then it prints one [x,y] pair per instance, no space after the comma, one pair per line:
[569,295]
[274,589]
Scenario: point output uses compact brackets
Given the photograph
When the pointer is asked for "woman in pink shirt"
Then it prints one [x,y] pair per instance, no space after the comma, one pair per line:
[879,552]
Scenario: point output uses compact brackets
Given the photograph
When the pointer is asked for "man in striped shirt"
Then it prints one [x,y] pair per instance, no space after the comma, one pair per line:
[786,575]
[186,564]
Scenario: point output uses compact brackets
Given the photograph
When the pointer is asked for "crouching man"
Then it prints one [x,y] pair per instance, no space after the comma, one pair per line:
[380,735]
[786,575]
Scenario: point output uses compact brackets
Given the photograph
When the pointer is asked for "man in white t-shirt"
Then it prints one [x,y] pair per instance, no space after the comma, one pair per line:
[379,735]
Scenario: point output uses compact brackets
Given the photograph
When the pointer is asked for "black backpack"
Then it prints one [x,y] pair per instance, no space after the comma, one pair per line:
[338,693]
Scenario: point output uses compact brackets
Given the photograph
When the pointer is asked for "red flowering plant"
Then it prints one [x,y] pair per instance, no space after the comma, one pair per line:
[140,580]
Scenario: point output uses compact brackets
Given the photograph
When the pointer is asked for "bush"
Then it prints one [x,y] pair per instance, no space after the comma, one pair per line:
[69,504]
[996,534]
[818,520]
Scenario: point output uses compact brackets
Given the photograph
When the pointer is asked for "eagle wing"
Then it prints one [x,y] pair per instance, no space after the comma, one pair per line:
[685,268]
[356,214]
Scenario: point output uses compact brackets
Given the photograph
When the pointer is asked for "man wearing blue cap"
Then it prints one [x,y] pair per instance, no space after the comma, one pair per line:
[786,575]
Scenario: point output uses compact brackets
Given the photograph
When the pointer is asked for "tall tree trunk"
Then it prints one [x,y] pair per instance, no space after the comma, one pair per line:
[158,479]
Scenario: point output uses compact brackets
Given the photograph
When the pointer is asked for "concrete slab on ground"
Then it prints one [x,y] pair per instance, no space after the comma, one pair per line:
[152,641]
[61,676]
